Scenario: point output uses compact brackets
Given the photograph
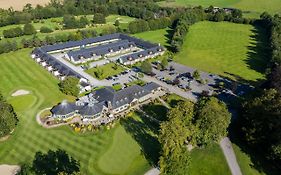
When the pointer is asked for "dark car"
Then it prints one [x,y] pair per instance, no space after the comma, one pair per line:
[169,81]
[152,74]
[109,78]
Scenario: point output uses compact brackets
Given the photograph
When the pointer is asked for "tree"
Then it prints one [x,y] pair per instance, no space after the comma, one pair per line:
[146,67]
[175,133]
[69,86]
[236,13]
[28,29]
[260,123]
[196,75]
[261,118]
[45,29]
[54,163]
[164,63]
[99,18]
[83,21]
[274,78]
[117,23]
[212,119]
[8,118]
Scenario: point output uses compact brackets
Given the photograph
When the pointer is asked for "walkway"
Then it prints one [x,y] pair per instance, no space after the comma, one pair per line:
[79,70]
[75,120]
[229,154]
[153,171]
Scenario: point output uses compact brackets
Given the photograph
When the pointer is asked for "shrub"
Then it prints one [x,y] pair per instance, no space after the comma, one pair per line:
[45,29]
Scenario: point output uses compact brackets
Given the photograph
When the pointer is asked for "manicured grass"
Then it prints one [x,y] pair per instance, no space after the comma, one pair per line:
[123,20]
[209,160]
[106,70]
[156,36]
[18,71]
[254,6]
[232,50]
[118,154]
[245,163]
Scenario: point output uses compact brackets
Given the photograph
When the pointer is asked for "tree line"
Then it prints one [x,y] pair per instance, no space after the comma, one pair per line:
[259,122]
[190,125]
[8,117]
[27,29]
[145,9]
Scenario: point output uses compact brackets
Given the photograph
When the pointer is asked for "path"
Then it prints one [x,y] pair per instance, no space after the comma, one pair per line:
[79,70]
[229,154]
[153,171]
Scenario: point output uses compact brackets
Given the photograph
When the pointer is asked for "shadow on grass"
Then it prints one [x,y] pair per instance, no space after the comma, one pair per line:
[169,35]
[143,131]
[257,156]
[259,53]
[156,111]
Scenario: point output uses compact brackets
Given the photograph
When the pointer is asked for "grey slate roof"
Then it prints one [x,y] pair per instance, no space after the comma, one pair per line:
[57,65]
[121,97]
[100,50]
[151,86]
[143,53]
[91,109]
[71,44]
[64,108]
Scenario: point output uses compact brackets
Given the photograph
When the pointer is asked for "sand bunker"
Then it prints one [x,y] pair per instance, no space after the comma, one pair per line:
[20,92]
[9,169]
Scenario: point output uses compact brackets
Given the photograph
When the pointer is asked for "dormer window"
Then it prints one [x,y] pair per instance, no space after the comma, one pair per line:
[130,58]
[140,55]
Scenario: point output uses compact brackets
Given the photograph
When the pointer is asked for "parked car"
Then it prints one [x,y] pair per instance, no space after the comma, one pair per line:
[109,78]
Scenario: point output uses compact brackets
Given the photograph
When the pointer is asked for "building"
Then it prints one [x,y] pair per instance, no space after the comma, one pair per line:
[93,49]
[106,102]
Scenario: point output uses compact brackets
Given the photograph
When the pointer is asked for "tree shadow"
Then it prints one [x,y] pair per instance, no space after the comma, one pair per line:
[257,156]
[169,36]
[156,111]
[259,53]
[144,132]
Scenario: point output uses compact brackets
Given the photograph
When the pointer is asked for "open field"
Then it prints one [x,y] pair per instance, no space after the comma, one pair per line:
[18,71]
[19,4]
[255,7]
[232,50]
[156,36]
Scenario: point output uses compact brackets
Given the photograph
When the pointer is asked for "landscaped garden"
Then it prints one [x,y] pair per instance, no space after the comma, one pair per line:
[104,71]
[233,50]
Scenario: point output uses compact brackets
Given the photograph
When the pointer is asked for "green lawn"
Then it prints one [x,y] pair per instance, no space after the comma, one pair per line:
[123,20]
[156,36]
[209,160]
[232,50]
[255,7]
[18,71]
[106,70]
